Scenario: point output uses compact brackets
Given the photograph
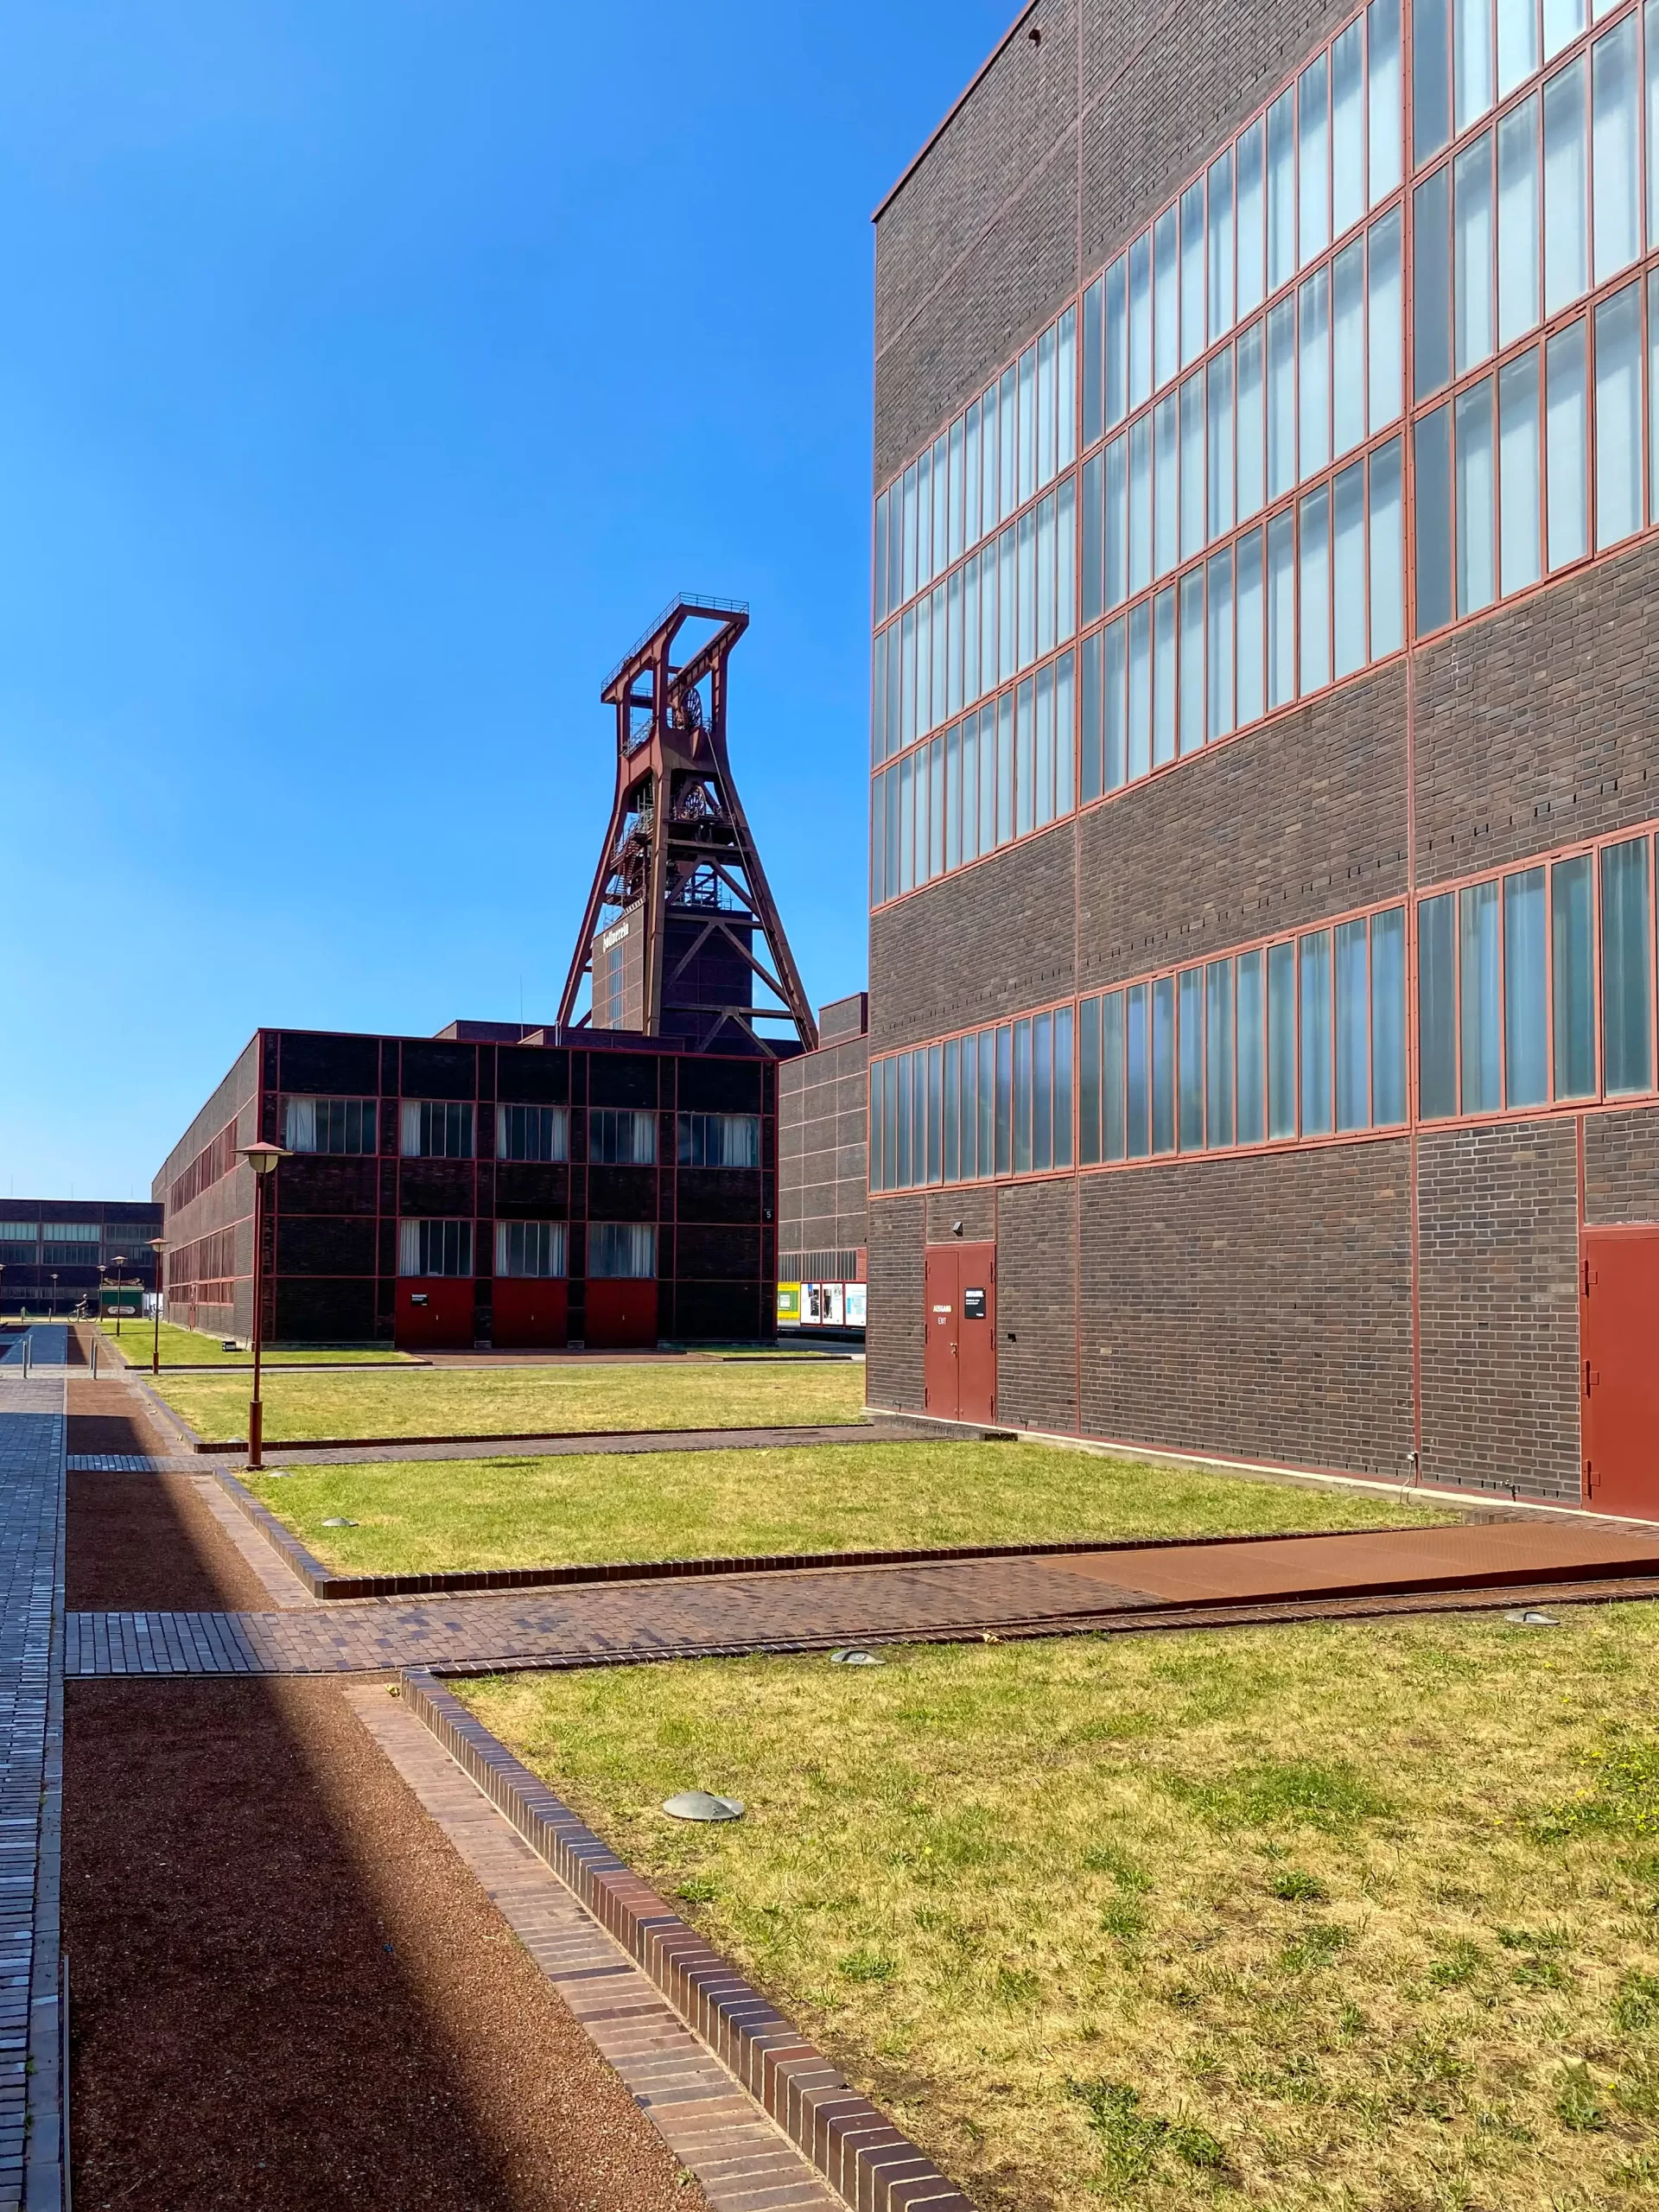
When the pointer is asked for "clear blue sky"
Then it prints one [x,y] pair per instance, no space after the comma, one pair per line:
[372,372]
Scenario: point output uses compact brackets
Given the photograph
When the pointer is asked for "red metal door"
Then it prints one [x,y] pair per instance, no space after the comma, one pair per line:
[530,1310]
[434,1313]
[941,1357]
[621,1314]
[976,1340]
[1618,1358]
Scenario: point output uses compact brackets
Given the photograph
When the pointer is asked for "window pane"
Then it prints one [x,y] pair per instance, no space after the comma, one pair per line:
[1314,165]
[1314,382]
[1431,81]
[1139,690]
[1166,311]
[1612,90]
[1517,221]
[1218,1051]
[1520,490]
[1619,416]
[1517,42]
[1004,1101]
[1005,768]
[1471,60]
[1565,435]
[1348,555]
[878,841]
[1252,232]
[1281,398]
[1431,322]
[1281,1040]
[1192,700]
[1138,1134]
[1065,736]
[1281,192]
[1087,1082]
[1192,468]
[1353,1022]
[1387,553]
[1434,520]
[1281,611]
[1388,1017]
[986,1101]
[1044,577]
[1566,271]
[1111,1076]
[1028,423]
[1221,245]
[1114,710]
[1252,425]
[1386,133]
[1221,644]
[1028,635]
[1472,221]
[1191,1059]
[1048,426]
[1252,667]
[1094,420]
[1650,56]
[1347,131]
[1166,500]
[1252,1083]
[1042,1091]
[1437,1080]
[1063,1087]
[1478,996]
[1314,960]
[1563,21]
[1065,557]
[1007,441]
[1116,377]
[1163,678]
[1163,1064]
[1044,808]
[1387,339]
[1627,1050]
[1348,348]
[1220,375]
[1573,979]
[1653,386]
[1525,1076]
[952,799]
[1475,501]
[1140,318]
[1192,274]
[1115,543]
[1139,504]
[1316,590]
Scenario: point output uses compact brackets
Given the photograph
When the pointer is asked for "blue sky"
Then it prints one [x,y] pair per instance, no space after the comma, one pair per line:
[372,374]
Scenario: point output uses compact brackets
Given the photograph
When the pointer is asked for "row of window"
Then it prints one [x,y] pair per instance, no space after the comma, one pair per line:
[445,1130]
[1005,770]
[127,1236]
[1467,55]
[994,1102]
[1008,606]
[1009,445]
[1513,480]
[15,1252]
[617,1251]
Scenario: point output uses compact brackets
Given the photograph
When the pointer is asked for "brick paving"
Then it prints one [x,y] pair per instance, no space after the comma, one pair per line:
[31,1776]
[707,2119]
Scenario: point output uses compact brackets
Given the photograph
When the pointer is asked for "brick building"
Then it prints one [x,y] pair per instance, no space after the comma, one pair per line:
[1266,760]
[494,1184]
[823,1170]
[56,1253]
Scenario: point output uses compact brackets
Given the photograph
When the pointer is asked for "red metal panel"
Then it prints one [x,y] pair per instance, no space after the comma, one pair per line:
[1619,1373]
[976,1338]
[621,1313]
[530,1311]
[939,1365]
[434,1313]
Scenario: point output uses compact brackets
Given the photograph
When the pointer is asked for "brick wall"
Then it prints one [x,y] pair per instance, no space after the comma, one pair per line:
[897,1322]
[1036,1300]
[823,1129]
[1621,1165]
[1499,1246]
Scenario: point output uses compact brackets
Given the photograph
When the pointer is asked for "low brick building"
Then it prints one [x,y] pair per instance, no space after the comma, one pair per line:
[824,1167]
[56,1253]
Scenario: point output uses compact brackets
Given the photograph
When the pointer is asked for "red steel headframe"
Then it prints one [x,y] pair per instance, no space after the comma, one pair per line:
[693,857]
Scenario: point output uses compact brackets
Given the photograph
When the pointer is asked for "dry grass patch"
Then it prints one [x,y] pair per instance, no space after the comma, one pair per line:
[1321,1917]
[522,1401]
[427,1517]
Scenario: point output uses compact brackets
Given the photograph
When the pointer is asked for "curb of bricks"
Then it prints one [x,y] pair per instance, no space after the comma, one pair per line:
[855,2146]
[324,1582]
[601,1437]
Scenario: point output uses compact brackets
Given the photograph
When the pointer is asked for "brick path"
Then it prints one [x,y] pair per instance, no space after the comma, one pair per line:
[31,1774]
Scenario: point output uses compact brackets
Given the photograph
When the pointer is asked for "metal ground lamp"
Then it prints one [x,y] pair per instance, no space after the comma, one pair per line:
[262,1158]
[158,1246]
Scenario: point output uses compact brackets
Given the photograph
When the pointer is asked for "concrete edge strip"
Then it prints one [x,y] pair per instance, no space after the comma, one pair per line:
[867,2160]
[323,1582]
[598,1439]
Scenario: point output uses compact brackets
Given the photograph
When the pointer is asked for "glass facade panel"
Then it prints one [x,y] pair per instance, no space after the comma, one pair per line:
[1314,962]
[1626,951]
[1525,975]
[1573,978]
[1477,993]
[1281,1040]
[1437,1008]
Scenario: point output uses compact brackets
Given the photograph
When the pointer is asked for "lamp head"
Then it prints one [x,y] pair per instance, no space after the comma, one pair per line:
[158,1244]
[262,1158]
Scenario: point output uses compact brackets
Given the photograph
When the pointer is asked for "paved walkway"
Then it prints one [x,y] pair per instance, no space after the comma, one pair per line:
[31,1777]
[48,1345]
[597,1626]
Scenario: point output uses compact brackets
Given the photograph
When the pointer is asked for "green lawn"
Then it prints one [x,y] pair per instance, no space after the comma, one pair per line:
[1327,1918]
[427,1517]
[524,1401]
[190,1347]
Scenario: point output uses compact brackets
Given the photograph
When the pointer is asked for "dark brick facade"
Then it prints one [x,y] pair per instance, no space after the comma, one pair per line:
[822,1148]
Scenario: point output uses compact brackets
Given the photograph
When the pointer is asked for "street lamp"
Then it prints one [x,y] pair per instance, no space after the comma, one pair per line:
[54,1295]
[157,1245]
[118,1263]
[262,1158]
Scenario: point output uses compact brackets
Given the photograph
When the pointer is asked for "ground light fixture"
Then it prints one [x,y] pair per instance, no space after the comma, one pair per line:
[262,1158]
[856,1659]
[699,1805]
[1528,1618]
[157,1245]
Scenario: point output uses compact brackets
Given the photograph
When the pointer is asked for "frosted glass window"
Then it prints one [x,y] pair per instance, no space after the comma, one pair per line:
[1520,484]
[1437,1033]
[1282,191]
[1190,999]
[1348,564]
[1065,544]
[1163,678]
[952,799]
[1116,368]
[1065,736]
[1066,387]
[1388,552]
[1619,416]
[1565,435]
[1220,374]
[1008,434]
[1517,221]
[1192,273]
[1627,1040]
[1385,137]
[1471,254]
[1573,978]
[1431,79]
[1087,1082]
[1116,550]
[1517,42]
[1348,348]
[1612,92]
[1476,490]
[1252,220]
[1221,644]
[1525,1027]
[1252,667]
[1314,382]
[1025,780]
[971,439]
[1166,505]
[1566,267]
[1140,318]
[906,825]
[1114,730]
[1653,393]
[1347,130]
[1163,1064]
[1221,246]
[1192,468]
[1047,424]
[909,556]
[1094,365]
[1044,591]
[1111,1076]
[907,677]
[880,556]
[1140,504]
[1281,398]
[925,518]
[1140,709]
[1471,60]
[1136,1071]
[989,472]
[1252,1072]
[1044,802]
[1281,1040]
[940,505]
[1434,520]
[1353,1012]
[1314,165]
[1477,997]
[941,642]
[1192,703]
[987,618]
[953,648]
[936,809]
[1005,768]
[1387,333]
[1252,424]
[1028,423]
[970,647]
[1650,58]
[1281,611]
[1431,243]
[1563,21]
[1006,603]
[1167,313]
[1313,959]
[1388,1017]
[1218,1052]
[1315,529]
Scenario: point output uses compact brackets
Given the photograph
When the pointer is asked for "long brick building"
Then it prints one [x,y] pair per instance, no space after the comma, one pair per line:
[1266,751]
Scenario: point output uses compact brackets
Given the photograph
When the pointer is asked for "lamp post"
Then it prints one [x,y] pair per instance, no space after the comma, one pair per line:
[54,1295]
[157,1245]
[262,1158]
[118,1262]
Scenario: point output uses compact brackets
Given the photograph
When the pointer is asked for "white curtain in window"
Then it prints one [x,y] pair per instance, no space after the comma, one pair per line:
[409,1240]
[621,1249]
[410,1146]
[300,1125]
[529,1248]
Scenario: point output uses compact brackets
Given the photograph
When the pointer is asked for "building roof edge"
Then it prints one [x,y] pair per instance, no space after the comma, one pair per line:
[953,112]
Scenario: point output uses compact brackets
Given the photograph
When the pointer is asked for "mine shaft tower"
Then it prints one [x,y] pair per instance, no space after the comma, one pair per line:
[680,924]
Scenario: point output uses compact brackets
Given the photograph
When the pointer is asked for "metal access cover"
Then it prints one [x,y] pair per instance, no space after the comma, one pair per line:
[856,1659]
[1530,1620]
[699,1805]
[337,1523]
